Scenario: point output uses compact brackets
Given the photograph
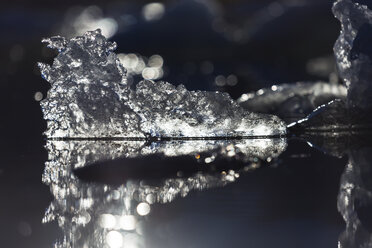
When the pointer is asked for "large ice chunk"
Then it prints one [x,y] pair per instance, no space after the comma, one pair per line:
[353,50]
[90,97]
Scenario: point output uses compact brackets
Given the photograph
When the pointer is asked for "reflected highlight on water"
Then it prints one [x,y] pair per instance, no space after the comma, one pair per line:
[93,214]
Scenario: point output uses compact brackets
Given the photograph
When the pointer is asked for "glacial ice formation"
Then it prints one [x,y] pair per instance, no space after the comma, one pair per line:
[90,97]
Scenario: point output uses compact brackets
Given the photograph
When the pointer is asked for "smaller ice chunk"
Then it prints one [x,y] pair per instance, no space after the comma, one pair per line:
[90,97]
[353,50]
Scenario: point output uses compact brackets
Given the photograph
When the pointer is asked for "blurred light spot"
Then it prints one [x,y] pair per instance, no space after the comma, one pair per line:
[114,239]
[209,160]
[108,26]
[260,92]
[220,80]
[143,208]
[156,61]
[92,18]
[38,96]
[107,221]
[24,229]
[231,153]
[149,73]
[232,80]
[16,53]
[127,222]
[150,198]
[243,98]
[153,11]
[129,61]
[274,88]
[206,67]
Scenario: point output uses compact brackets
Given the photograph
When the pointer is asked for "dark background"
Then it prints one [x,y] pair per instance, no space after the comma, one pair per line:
[293,205]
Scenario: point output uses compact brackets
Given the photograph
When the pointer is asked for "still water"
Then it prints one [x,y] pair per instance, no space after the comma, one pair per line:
[284,192]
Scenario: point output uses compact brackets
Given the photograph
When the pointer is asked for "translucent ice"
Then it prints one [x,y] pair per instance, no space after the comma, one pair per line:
[90,97]
[353,50]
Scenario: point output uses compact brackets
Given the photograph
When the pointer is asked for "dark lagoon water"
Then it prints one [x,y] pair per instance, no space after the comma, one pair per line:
[291,201]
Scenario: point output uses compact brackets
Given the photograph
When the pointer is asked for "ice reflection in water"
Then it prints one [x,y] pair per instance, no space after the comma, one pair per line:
[105,215]
[354,196]
[355,193]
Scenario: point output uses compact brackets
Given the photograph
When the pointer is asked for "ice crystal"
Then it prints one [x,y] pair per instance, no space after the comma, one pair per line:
[90,97]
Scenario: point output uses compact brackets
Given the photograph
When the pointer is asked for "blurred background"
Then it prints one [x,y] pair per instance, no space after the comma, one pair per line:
[233,46]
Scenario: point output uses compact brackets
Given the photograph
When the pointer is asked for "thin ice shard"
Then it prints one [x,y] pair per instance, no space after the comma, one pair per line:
[292,102]
[90,97]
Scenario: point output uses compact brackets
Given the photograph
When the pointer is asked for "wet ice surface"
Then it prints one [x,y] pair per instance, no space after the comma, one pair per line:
[90,97]
[353,52]
[98,214]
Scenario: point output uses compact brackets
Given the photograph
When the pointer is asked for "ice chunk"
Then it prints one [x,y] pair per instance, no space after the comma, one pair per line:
[292,102]
[353,50]
[354,60]
[90,97]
